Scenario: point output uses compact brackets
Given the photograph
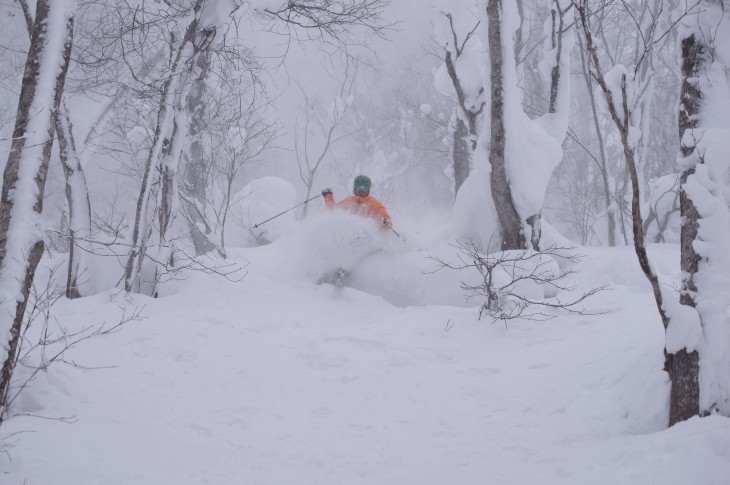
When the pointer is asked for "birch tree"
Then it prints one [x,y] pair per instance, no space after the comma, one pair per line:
[77,192]
[24,178]
[165,151]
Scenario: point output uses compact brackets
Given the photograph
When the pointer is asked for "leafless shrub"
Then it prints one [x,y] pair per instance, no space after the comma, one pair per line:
[504,276]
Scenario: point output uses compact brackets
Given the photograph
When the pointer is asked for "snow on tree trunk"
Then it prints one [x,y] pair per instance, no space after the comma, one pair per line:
[168,192]
[140,232]
[699,343]
[183,137]
[21,234]
[194,171]
[79,207]
[77,191]
[523,152]
[459,61]
[164,155]
[683,366]
[557,59]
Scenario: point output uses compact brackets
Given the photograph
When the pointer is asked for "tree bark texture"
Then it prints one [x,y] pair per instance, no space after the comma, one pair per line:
[683,367]
[637,222]
[24,178]
[684,398]
[558,26]
[461,154]
[513,236]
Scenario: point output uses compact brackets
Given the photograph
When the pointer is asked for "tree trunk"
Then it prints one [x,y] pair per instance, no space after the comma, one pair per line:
[170,162]
[24,179]
[139,232]
[519,40]
[77,198]
[684,399]
[683,367]
[513,236]
[557,44]
[195,167]
[168,192]
[461,154]
[535,223]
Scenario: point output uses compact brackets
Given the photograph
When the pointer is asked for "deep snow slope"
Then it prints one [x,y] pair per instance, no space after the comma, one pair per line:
[269,381]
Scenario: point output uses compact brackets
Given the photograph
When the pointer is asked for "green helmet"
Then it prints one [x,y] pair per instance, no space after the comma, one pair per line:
[361,186]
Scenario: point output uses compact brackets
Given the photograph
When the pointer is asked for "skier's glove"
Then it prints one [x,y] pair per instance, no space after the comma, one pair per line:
[386,223]
[326,192]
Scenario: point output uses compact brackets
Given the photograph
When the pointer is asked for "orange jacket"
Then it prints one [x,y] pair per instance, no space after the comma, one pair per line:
[365,206]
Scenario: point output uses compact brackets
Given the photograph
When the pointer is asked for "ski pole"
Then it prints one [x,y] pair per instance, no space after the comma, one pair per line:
[394,232]
[255,226]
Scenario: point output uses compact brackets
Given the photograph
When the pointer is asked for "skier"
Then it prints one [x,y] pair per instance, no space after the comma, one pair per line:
[361,203]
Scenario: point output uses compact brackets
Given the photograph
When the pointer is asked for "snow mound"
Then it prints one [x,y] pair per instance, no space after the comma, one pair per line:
[259,200]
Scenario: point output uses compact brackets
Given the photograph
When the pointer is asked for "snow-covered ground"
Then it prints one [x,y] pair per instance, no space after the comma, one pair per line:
[276,379]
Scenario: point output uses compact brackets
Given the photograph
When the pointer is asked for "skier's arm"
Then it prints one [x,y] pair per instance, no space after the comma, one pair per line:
[378,209]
